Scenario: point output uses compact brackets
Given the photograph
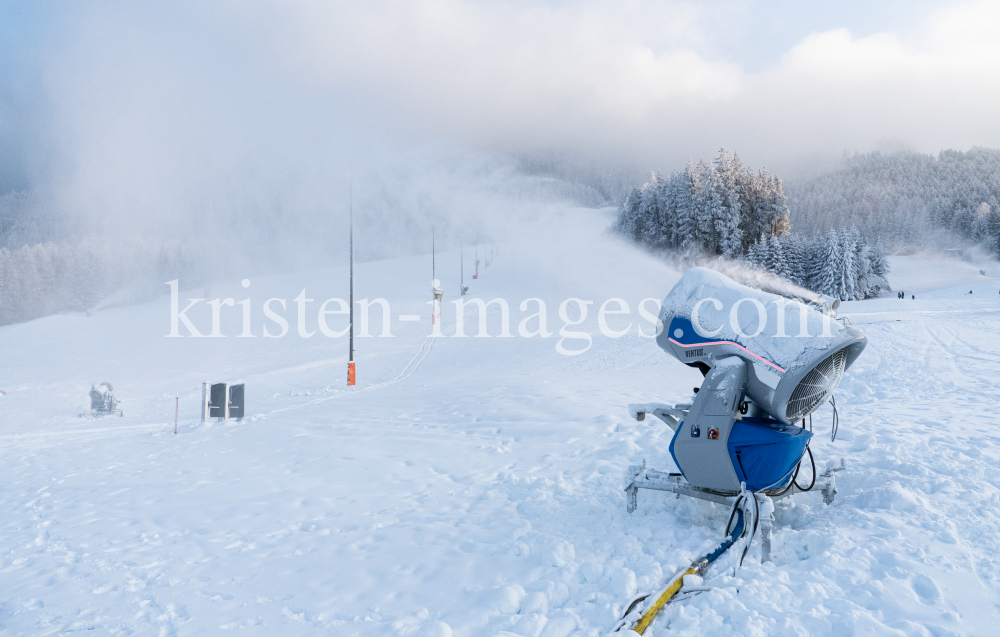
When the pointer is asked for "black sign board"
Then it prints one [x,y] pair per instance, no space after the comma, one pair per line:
[217,401]
[236,401]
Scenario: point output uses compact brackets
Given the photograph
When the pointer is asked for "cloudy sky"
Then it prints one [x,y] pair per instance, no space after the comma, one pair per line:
[107,102]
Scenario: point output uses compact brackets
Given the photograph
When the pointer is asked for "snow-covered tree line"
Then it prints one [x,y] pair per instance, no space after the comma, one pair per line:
[906,198]
[724,208]
[46,278]
[841,264]
[720,207]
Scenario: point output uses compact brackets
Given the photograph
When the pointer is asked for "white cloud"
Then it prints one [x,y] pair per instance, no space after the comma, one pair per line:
[155,109]
[601,76]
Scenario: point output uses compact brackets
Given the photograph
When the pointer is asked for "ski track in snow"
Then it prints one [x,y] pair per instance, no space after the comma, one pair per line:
[425,349]
[478,490]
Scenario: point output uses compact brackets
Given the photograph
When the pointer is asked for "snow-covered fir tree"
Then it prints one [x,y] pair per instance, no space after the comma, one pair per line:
[757,254]
[824,276]
[846,273]
[795,258]
[720,207]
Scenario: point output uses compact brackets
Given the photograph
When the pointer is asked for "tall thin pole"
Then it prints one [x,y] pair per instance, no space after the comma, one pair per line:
[435,291]
[350,363]
[352,272]
[434,281]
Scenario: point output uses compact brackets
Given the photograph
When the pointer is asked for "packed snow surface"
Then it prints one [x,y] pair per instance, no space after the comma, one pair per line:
[473,486]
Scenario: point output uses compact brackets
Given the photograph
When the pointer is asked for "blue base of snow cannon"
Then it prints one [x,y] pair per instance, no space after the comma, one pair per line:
[764,452]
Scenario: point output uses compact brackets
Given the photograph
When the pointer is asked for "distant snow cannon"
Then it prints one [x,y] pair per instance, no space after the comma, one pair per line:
[103,401]
[768,362]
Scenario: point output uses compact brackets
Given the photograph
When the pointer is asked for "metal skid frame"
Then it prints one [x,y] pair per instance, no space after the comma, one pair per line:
[643,478]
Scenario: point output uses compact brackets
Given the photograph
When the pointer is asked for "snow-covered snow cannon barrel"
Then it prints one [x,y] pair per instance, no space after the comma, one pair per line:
[768,362]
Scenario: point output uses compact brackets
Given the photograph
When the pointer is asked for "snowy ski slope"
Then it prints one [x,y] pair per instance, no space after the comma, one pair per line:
[473,486]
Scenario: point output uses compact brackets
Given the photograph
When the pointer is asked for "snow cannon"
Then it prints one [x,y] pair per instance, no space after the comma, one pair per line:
[768,363]
[103,401]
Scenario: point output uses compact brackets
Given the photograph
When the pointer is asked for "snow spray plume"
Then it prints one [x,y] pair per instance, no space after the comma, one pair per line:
[741,272]
[749,275]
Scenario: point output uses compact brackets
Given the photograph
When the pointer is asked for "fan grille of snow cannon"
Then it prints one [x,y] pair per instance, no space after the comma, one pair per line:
[816,386]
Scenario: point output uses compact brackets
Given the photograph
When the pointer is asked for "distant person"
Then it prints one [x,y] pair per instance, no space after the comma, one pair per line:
[913,297]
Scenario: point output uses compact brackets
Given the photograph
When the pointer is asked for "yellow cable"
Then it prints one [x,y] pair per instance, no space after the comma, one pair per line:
[648,617]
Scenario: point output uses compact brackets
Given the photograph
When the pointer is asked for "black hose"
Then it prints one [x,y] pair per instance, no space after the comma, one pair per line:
[634,603]
[790,482]
[836,420]
[813,463]
[732,514]
[756,521]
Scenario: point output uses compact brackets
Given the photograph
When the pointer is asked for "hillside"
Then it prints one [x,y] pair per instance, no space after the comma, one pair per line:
[473,486]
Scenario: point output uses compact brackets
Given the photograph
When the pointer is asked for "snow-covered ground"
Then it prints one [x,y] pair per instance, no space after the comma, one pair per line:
[916,275]
[473,486]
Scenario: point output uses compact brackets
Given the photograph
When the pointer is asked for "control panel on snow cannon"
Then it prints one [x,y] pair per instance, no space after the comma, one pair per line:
[768,363]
